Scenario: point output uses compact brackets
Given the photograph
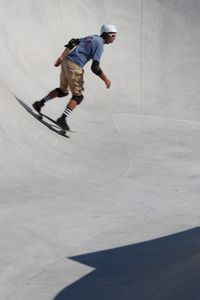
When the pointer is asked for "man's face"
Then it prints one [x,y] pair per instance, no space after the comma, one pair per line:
[111,36]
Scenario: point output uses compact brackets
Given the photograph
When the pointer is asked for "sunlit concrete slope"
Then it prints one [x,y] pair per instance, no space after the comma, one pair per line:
[128,172]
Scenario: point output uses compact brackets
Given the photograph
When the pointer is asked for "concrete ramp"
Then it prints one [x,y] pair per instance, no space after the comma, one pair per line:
[128,173]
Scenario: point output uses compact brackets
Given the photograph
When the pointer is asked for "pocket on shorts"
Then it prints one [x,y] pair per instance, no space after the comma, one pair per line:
[78,82]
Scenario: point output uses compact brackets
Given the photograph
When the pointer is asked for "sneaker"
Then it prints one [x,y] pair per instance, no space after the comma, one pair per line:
[62,123]
[37,106]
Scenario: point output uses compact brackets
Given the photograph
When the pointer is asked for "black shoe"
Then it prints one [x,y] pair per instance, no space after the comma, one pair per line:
[37,106]
[62,123]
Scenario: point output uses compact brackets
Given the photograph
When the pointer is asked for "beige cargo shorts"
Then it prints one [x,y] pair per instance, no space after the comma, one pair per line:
[71,77]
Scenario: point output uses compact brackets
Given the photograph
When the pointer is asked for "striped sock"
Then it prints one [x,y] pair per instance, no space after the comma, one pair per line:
[47,98]
[67,112]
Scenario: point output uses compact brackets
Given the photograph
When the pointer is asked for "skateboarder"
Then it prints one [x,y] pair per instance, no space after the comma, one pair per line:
[77,53]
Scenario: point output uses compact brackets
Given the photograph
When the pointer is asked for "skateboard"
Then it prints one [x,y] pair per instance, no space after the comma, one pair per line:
[44,119]
[55,127]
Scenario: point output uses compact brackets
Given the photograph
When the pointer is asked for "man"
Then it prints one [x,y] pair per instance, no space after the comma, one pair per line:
[77,53]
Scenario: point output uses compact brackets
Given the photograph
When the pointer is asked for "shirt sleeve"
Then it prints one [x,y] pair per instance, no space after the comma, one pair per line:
[97,49]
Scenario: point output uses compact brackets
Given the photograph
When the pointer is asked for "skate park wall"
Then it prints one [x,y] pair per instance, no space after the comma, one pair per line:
[153,63]
[129,171]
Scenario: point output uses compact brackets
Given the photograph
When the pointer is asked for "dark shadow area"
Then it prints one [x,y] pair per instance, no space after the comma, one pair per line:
[163,269]
[50,123]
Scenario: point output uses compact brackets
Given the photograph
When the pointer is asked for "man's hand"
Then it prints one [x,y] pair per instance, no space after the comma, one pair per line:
[58,62]
[105,79]
[107,83]
[60,59]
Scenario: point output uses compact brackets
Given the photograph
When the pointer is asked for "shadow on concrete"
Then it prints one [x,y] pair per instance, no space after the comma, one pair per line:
[166,268]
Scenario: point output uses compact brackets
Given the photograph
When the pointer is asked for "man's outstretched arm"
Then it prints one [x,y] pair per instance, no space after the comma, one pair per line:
[97,70]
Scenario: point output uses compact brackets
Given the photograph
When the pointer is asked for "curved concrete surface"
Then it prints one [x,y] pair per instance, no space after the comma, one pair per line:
[120,196]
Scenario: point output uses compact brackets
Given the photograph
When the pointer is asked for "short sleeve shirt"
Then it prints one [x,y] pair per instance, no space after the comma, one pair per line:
[89,48]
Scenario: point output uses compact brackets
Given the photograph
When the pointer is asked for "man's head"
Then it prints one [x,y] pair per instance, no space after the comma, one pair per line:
[108,33]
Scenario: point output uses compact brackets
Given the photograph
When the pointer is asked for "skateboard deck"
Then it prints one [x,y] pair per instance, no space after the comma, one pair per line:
[55,127]
[44,119]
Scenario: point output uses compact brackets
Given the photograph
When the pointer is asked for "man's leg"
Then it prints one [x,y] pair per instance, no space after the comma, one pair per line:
[73,77]
[75,100]
[53,94]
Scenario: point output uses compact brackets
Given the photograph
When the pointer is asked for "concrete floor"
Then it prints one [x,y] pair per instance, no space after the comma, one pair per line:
[112,212]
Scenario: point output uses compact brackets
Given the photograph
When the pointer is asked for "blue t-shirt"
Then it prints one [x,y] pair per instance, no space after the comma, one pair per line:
[90,47]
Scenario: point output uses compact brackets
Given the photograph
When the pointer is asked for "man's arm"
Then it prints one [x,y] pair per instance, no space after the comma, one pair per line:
[97,70]
[106,80]
[61,57]
[71,44]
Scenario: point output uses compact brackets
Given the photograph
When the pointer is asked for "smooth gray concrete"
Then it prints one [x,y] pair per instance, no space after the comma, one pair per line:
[117,203]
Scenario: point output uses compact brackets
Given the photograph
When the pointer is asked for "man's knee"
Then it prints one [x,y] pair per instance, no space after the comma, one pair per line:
[78,99]
[60,93]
